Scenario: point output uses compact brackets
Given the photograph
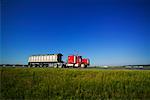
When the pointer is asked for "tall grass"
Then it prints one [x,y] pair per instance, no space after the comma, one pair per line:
[57,84]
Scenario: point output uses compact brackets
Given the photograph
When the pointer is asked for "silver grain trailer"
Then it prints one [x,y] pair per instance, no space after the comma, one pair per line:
[47,60]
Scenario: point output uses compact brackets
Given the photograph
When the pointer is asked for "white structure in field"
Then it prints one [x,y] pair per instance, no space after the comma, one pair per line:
[105,66]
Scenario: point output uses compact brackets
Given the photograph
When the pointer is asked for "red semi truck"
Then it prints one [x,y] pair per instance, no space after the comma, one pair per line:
[55,60]
[77,61]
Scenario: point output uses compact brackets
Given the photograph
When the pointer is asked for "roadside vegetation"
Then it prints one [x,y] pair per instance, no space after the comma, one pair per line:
[81,84]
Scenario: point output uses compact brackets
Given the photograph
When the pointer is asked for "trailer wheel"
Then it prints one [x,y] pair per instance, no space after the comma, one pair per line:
[40,65]
[29,65]
[33,65]
[46,65]
[56,66]
[59,66]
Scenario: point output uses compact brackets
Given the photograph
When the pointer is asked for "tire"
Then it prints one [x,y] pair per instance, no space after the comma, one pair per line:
[40,65]
[85,66]
[33,65]
[56,66]
[82,66]
[59,66]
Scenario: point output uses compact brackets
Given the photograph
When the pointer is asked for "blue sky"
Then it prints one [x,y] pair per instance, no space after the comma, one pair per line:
[108,32]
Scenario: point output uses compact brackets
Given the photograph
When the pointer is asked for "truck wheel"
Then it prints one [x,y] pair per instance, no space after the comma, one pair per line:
[82,66]
[85,66]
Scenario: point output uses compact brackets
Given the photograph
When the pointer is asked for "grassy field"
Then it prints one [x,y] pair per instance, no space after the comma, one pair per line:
[80,84]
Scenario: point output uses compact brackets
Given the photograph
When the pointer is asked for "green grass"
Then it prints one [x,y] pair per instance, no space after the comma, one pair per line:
[85,84]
